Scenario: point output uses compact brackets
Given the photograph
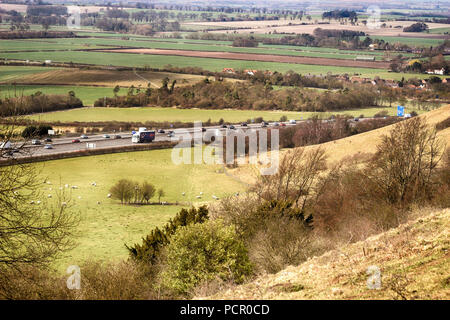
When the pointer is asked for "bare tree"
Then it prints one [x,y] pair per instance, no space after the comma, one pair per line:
[295,179]
[406,161]
[33,228]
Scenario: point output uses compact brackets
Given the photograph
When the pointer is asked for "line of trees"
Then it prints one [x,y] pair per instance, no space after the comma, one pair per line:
[38,102]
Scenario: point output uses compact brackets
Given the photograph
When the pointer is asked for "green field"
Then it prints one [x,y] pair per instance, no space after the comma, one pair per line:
[14,73]
[88,95]
[181,44]
[186,115]
[161,61]
[423,42]
[106,227]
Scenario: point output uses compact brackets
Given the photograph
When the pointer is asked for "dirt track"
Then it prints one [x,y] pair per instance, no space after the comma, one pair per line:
[259,57]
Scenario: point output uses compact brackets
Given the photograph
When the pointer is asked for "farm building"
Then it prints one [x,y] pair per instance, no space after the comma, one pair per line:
[228,70]
[365,58]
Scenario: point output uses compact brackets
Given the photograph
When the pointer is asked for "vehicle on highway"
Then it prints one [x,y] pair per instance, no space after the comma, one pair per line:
[276,124]
[232,127]
[243,124]
[263,125]
[292,121]
[117,136]
[83,136]
[106,136]
[48,146]
[48,140]
[356,119]
[203,129]
[171,134]
[283,124]
[143,136]
[35,142]
[76,141]
[224,126]
[161,131]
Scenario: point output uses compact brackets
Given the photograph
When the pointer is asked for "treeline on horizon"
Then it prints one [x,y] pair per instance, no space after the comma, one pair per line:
[37,102]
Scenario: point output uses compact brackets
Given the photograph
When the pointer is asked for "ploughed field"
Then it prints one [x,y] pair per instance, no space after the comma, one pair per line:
[259,57]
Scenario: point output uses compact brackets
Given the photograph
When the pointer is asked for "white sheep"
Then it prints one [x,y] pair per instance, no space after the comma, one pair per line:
[109,195]
[66,186]
[49,196]
[74,187]
[198,197]
[201,193]
[183,194]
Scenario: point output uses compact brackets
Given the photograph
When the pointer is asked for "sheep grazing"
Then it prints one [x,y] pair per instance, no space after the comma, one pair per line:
[38,202]
[79,197]
[183,194]
[66,186]
[198,197]
[64,204]
[48,182]
[49,196]
[31,202]
[201,193]
[215,197]
[109,195]
[74,187]
[94,184]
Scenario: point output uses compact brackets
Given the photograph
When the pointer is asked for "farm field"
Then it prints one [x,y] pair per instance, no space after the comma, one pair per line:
[180,44]
[14,73]
[109,78]
[106,227]
[158,114]
[88,95]
[259,57]
[282,26]
[159,61]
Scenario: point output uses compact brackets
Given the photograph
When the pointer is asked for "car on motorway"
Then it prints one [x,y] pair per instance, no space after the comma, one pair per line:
[161,131]
[76,141]
[171,134]
[106,136]
[203,129]
[283,124]
[356,119]
[48,140]
[117,136]
[48,146]
[276,124]
[83,136]
[292,121]
[263,125]
[232,127]
[35,142]
[243,124]
[224,126]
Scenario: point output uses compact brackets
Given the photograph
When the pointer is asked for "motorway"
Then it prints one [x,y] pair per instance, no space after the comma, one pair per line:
[65,144]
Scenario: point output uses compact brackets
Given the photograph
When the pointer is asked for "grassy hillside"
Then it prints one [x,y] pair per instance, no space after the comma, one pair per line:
[107,226]
[367,142]
[413,260]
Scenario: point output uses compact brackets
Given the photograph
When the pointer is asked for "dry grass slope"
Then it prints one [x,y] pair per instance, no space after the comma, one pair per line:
[367,142]
[413,260]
